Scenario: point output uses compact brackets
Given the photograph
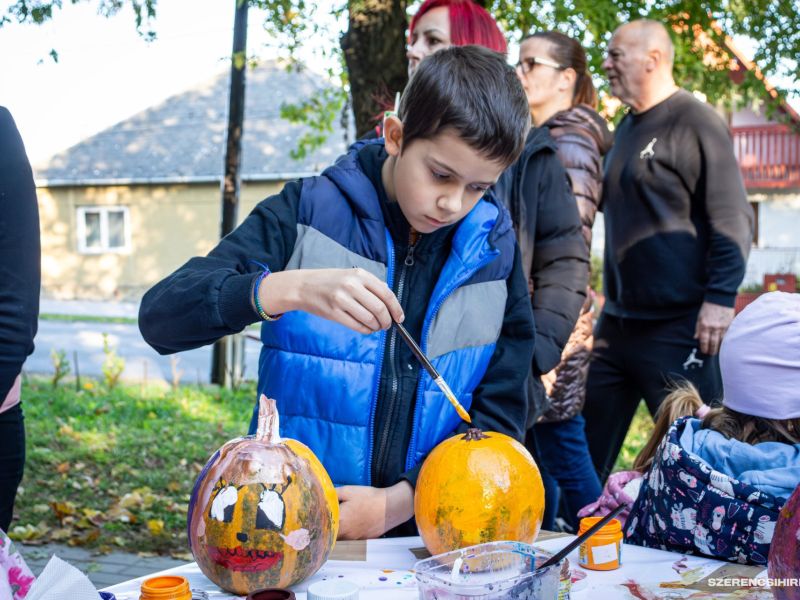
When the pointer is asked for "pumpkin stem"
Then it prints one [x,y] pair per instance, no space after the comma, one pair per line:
[268,421]
[473,434]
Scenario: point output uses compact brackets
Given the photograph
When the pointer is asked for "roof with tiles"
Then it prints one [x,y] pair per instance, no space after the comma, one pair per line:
[183,138]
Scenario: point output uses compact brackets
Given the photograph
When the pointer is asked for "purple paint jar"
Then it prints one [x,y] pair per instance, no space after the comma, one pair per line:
[271,594]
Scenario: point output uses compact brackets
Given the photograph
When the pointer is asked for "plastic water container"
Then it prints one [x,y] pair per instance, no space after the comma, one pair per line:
[491,571]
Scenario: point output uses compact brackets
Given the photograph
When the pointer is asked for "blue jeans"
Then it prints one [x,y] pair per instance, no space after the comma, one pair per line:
[562,453]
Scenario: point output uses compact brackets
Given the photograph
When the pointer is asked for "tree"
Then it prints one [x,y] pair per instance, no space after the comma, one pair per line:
[373,64]
[374,44]
[698,29]
[37,12]
[374,50]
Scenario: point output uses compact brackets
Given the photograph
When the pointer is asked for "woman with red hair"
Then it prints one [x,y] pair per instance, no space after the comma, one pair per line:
[440,24]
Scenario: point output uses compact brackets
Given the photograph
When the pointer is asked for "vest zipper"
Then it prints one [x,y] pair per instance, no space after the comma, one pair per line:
[413,240]
[390,273]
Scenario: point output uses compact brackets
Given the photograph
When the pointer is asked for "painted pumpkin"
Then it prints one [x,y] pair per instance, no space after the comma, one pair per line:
[478,487]
[263,512]
[784,551]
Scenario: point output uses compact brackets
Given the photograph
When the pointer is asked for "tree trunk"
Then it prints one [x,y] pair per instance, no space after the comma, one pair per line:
[374,49]
[221,366]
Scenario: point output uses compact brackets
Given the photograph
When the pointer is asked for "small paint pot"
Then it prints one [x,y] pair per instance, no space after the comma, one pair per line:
[271,594]
[167,587]
[602,551]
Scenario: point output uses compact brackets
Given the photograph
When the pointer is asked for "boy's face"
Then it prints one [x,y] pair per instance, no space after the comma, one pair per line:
[437,181]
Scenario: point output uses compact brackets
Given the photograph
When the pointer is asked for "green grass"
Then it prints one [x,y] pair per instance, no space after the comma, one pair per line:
[86,319]
[114,469]
[638,434]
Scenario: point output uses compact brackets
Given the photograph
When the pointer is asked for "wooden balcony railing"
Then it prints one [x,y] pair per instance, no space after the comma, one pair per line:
[768,155]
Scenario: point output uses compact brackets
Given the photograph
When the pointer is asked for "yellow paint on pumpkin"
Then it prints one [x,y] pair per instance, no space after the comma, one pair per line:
[475,488]
[305,452]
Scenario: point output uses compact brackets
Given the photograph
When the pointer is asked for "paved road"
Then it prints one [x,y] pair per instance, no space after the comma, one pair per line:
[141,361]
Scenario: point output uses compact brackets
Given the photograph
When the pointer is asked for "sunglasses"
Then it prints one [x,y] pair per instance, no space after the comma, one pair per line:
[527,64]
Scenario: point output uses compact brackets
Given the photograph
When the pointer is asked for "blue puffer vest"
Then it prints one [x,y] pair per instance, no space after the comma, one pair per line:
[325,377]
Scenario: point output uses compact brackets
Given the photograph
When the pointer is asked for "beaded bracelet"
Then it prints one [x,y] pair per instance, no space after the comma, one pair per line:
[260,309]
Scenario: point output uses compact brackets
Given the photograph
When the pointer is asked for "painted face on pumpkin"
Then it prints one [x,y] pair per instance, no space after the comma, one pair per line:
[245,524]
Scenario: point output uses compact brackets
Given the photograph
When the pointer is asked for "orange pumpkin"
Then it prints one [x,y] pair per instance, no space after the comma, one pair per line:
[263,512]
[475,488]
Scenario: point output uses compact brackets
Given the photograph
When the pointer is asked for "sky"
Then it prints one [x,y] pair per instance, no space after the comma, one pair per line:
[106,72]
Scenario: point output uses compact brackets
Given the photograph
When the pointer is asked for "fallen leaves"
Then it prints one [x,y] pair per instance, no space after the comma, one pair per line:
[156,527]
[30,534]
[113,470]
[63,510]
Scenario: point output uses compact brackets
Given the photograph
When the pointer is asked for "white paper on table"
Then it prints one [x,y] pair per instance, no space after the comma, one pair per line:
[5,588]
[60,580]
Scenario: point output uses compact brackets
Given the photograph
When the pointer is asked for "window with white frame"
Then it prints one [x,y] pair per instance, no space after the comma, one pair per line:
[103,229]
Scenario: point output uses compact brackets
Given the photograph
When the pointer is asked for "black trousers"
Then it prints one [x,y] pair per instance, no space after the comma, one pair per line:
[634,359]
[12,460]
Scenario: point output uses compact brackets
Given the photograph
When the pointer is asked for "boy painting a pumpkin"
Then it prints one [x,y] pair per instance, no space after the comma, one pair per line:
[431,247]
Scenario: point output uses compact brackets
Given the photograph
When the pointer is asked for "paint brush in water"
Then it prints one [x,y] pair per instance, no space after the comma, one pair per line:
[437,379]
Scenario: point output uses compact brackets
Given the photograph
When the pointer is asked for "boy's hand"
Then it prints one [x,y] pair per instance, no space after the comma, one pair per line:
[368,512]
[353,297]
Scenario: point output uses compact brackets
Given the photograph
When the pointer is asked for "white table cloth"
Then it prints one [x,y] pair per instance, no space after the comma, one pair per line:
[386,574]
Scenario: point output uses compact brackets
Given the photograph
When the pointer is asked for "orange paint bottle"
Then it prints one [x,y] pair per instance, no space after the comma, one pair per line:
[602,551]
[167,587]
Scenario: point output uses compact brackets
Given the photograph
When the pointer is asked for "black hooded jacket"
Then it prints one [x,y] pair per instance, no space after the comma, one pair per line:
[555,257]
[19,254]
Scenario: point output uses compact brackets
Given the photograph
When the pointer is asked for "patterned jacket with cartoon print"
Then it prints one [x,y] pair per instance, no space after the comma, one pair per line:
[685,505]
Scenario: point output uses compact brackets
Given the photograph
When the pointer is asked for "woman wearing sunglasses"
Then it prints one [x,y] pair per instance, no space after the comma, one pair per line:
[552,68]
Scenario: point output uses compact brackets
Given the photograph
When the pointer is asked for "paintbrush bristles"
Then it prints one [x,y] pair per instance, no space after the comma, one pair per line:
[437,379]
[452,398]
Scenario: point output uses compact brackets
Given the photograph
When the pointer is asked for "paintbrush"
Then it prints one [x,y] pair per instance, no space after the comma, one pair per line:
[581,538]
[437,379]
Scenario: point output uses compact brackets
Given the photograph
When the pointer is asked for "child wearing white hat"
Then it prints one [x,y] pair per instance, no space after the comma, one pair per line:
[715,482]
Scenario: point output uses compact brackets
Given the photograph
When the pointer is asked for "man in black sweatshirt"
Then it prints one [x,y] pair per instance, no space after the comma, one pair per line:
[678,233]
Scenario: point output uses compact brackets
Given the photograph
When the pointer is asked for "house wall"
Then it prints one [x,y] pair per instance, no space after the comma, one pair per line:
[168,224]
[749,117]
[778,248]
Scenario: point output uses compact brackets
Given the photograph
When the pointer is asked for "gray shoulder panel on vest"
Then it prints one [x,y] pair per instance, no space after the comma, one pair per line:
[314,250]
[471,316]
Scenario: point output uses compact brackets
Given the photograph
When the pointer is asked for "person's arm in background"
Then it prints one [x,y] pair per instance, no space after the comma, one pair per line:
[581,158]
[20,254]
[721,189]
[560,269]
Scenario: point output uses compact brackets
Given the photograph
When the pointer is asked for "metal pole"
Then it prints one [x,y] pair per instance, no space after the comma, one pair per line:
[233,159]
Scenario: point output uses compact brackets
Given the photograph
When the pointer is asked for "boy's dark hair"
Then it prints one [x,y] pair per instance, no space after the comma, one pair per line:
[473,91]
